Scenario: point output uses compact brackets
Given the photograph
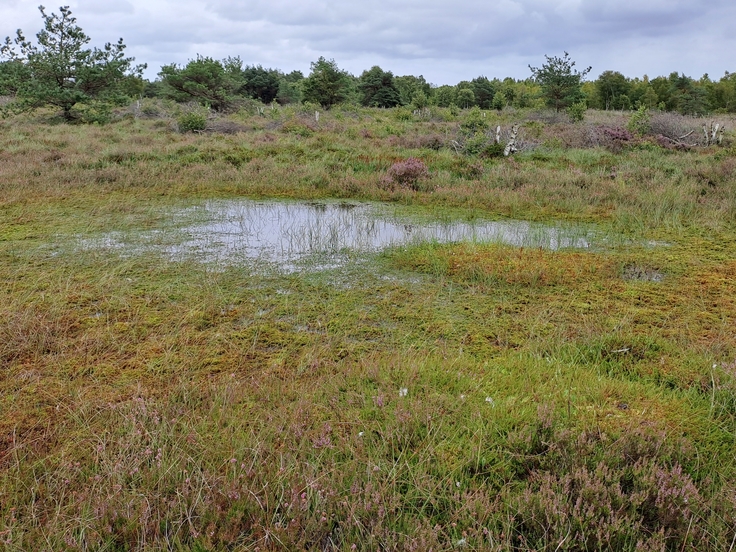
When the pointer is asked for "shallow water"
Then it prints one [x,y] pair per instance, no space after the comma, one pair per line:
[322,234]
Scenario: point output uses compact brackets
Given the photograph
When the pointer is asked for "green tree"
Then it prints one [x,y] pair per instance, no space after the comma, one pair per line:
[12,76]
[260,84]
[204,80]
[294,77]
[419,100]
[483,91]
[61,71]
[649,98]
[465,97]
[474,122]
[377,88]
[509,90]
[661,87]
[290,88]
[289,93]
[687,96]
[526,93]
[722,94]
[499,100]
[610,86]
[576,111]
[561,83]
[445,95]
[327,84]
[409,86]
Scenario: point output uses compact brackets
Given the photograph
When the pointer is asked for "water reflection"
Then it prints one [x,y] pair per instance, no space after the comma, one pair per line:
[290,234]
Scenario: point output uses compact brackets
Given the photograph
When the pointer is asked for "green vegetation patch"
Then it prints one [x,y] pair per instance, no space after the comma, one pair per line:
[430,396]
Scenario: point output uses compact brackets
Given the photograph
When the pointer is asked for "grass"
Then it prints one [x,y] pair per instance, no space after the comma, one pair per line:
[438,396]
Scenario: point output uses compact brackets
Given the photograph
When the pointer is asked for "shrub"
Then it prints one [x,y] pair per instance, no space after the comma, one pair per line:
[600,492]
[675,127]
[403,114]
[476,144]
[432,141]
[614,138]
[300,127]
[576,112]
[640,121]
[223,126]
[475,122]
[308,108]
[534,128]
[192,122]
[492,150]
[150,110]
[408,173]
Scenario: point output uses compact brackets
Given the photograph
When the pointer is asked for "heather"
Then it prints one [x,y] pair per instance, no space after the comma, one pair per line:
[435,396]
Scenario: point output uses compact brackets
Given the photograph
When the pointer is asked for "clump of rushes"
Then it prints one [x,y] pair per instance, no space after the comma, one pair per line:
[409,173]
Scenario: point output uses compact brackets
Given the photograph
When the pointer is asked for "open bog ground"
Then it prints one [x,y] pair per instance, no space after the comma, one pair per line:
[252,338]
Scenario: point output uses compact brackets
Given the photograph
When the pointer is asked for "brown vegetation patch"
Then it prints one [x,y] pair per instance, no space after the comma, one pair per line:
[513,266]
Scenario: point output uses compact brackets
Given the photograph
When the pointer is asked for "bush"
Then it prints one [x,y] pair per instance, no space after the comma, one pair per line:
[596,492]
[403,114]
[576,112]
[492,150]
[674,126]
[475,144]
[192,122]
[434,141]
[300,127]
[408,173]
[614,139]
[640,121]
[475,122]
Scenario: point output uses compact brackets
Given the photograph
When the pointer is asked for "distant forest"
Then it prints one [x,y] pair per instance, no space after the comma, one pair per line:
[223,84]
[62,71]
[220,83]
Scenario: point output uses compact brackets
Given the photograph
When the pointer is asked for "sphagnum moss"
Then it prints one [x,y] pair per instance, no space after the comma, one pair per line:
[439,396]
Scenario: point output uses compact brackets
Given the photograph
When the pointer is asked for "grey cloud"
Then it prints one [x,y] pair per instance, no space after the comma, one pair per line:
[437,38]
[104,8]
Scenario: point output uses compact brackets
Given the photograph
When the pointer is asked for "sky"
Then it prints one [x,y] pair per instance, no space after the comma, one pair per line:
[443,40]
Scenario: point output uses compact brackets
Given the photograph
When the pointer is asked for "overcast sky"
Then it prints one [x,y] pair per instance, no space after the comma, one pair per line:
[444,40]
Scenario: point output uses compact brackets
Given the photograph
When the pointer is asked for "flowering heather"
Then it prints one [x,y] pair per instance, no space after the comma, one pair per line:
[406,173]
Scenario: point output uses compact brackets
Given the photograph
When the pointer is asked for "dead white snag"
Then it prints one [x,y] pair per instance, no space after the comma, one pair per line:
[714,134]
[715,127]
[511,145]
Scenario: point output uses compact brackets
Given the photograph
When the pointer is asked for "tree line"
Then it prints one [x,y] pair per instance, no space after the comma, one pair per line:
[61,71]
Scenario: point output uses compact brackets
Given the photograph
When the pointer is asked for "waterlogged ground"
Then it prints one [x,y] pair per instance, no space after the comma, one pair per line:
[289,235]
[451,377]
[471,378]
